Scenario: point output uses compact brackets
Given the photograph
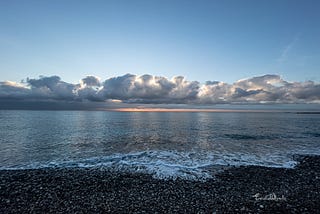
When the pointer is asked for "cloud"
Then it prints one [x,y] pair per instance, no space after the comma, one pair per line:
[88,89]
[90,81]
[285,52]
[52,88]
[13,90]
[150,89]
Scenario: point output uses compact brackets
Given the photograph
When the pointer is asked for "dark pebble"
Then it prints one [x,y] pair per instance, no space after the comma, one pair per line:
[79,190]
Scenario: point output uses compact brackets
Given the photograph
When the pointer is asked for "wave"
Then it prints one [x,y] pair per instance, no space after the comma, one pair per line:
[167,164]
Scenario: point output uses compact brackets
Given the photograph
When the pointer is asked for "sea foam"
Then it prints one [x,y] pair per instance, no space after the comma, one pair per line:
[166,164]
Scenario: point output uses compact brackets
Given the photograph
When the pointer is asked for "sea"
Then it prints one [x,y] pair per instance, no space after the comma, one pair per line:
[167,145]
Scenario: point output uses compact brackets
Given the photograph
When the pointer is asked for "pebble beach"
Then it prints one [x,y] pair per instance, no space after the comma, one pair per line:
[246,189]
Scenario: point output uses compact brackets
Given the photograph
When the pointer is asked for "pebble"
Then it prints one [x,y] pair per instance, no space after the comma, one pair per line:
[100,191]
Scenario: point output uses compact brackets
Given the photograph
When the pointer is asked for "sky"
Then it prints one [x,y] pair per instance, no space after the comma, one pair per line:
[201,40]
[270,43]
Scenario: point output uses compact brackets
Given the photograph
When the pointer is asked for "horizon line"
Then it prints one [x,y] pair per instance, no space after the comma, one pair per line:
[188,110]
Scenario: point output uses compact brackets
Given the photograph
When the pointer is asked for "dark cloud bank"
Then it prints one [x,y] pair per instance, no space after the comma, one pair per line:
[91,93]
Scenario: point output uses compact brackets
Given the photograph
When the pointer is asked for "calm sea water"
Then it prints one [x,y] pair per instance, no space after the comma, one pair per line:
[164,144]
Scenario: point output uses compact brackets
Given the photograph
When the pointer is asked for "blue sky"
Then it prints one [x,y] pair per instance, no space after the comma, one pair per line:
[201,40]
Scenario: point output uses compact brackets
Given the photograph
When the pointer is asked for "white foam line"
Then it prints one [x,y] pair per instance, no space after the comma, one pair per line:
[167,164]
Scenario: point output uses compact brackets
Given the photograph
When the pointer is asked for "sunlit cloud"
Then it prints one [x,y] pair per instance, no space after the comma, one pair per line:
[150,89]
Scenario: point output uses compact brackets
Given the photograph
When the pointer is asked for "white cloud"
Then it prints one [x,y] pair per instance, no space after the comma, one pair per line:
[131,88]
[285,52]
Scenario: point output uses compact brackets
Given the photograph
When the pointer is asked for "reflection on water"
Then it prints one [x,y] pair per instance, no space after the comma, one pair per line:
[42,137]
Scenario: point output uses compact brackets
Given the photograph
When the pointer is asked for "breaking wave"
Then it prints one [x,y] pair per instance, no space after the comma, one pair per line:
[167,164]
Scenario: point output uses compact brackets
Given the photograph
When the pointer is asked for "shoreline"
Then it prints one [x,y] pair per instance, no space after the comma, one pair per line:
[245,189]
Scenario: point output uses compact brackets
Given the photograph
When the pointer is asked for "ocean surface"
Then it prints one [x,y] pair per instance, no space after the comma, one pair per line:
[165,144]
